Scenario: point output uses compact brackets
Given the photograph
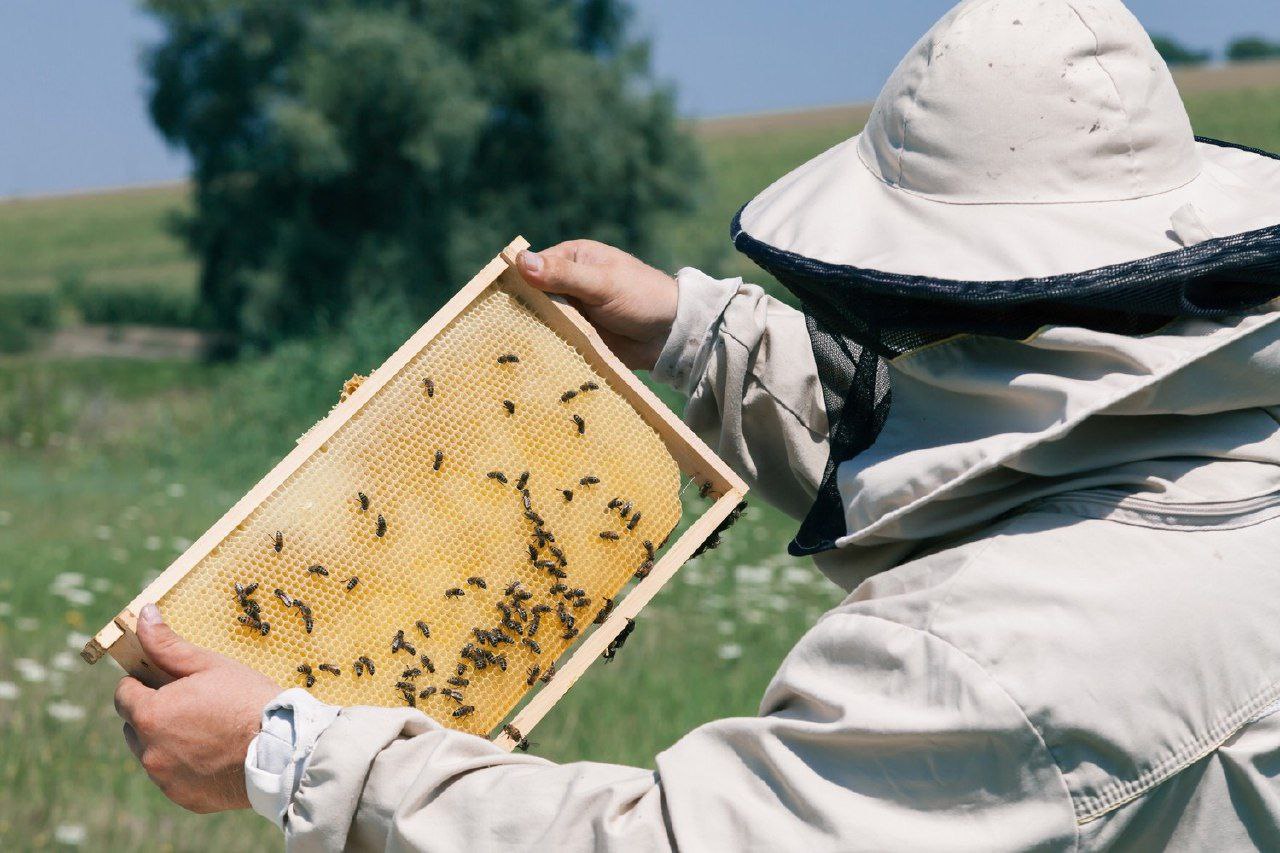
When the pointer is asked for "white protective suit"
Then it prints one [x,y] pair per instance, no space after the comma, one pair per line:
[1079,648]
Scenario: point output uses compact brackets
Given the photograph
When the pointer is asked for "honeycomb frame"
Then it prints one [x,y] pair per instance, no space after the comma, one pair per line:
[693,458]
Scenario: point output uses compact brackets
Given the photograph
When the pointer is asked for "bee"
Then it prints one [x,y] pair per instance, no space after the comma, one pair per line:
[500,661]
[528,504]
[264,628]
[568,494]
[429,386]
[509,406]
[533,674]
[580,423]
[243,591]
[545,564]
[358,667]
[626,510]
[454,592]
[543,536]
[503,608]
[411,672]
[568,395]
[435,465]
[397,643]
[464,710]
[409,692]
[497,475]
[541,608]
[569,633]
[364,501]
[589,386]
[455,695]
[329,668]
[459,681]
[645,568]
[515,605]
[482,636]
[477,581]
[533,554]
[307,621]
[613,504]
[284,599]
[562,614]
[508,359]
[351,584]
[559,555]
[305,669]
[534,624]
[381,529]
[635,519]
[514,733]
[616,642]
[588,480]
[537,649]
[534,517]
[648,548]
[427,692]
[575,593]
[424,628]
[368,664]
[277,541]
[522,481]
[556,589]
[462,669]
[318,570]
[551,671]
[704,489]
[427,664]
[604,612]
[499,637]
[610,535]
[522,595]
[515,585]
[583,601]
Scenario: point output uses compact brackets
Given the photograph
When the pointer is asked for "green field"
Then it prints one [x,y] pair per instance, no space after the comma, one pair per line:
[110,468]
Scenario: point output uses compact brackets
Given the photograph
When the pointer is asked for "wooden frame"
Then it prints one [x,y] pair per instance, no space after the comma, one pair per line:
[694,458]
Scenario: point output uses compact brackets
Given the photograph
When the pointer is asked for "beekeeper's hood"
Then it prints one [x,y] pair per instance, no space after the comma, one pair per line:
[1025,240]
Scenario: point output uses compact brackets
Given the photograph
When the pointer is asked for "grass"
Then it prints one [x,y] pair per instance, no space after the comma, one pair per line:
[111,468]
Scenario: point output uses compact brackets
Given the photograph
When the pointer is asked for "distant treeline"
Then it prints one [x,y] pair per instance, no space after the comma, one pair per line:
[1239,49]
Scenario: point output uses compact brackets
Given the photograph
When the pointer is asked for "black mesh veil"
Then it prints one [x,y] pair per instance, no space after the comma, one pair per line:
[859,317]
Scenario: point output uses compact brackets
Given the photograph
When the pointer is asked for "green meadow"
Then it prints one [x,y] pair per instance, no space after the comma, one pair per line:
[110,468]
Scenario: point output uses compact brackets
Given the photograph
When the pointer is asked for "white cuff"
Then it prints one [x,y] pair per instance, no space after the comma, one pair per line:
[291,724]
[700,305]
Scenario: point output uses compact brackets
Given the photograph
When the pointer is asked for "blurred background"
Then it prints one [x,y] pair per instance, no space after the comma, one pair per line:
[212,212]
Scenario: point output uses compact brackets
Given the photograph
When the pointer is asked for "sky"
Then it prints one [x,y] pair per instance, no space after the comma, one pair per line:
[73,104]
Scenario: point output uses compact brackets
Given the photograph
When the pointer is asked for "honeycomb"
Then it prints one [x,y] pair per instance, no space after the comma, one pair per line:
[377,504]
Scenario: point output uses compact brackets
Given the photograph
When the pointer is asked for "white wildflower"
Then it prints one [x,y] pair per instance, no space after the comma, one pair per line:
[8,690]
[103,532]
[132,513]
[176,490]
[64,661]
[67,579]
[31,670]
[102,584]
[5,517]
[152,543]
[726,626]
[797,575]
[27,623]
[729,651]
[71,834]
[120,555]
[77,641]
[65,712]
[753,574]
[6,609]
[73,595]
[180,544]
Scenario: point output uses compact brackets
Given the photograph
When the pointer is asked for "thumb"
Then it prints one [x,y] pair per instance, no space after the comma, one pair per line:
[589,284]
[166,649]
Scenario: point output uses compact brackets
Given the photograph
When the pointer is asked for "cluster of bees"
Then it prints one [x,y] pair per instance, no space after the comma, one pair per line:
[518,620]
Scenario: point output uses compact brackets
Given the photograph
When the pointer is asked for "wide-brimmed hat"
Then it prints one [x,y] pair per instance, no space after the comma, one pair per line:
[1028,165]
[1018,139]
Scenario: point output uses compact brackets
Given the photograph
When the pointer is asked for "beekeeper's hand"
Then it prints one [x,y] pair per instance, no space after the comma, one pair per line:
[191,735]
[631,304]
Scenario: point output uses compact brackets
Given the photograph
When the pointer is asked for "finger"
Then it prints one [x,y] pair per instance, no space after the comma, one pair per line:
[132,740]
[131,695]
[166,649]
[556,273]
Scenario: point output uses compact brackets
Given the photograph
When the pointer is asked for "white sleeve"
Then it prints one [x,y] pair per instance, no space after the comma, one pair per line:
[291,724]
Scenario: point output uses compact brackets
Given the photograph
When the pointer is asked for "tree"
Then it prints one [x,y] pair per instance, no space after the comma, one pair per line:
[370,149]
[1175,52]
[1252,47]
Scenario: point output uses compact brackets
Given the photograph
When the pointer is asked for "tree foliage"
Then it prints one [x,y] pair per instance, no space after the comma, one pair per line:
[1175,52]
[1252,47]
[361,149]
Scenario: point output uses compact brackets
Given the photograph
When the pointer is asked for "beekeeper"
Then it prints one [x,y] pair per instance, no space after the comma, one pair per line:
[1029,416]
